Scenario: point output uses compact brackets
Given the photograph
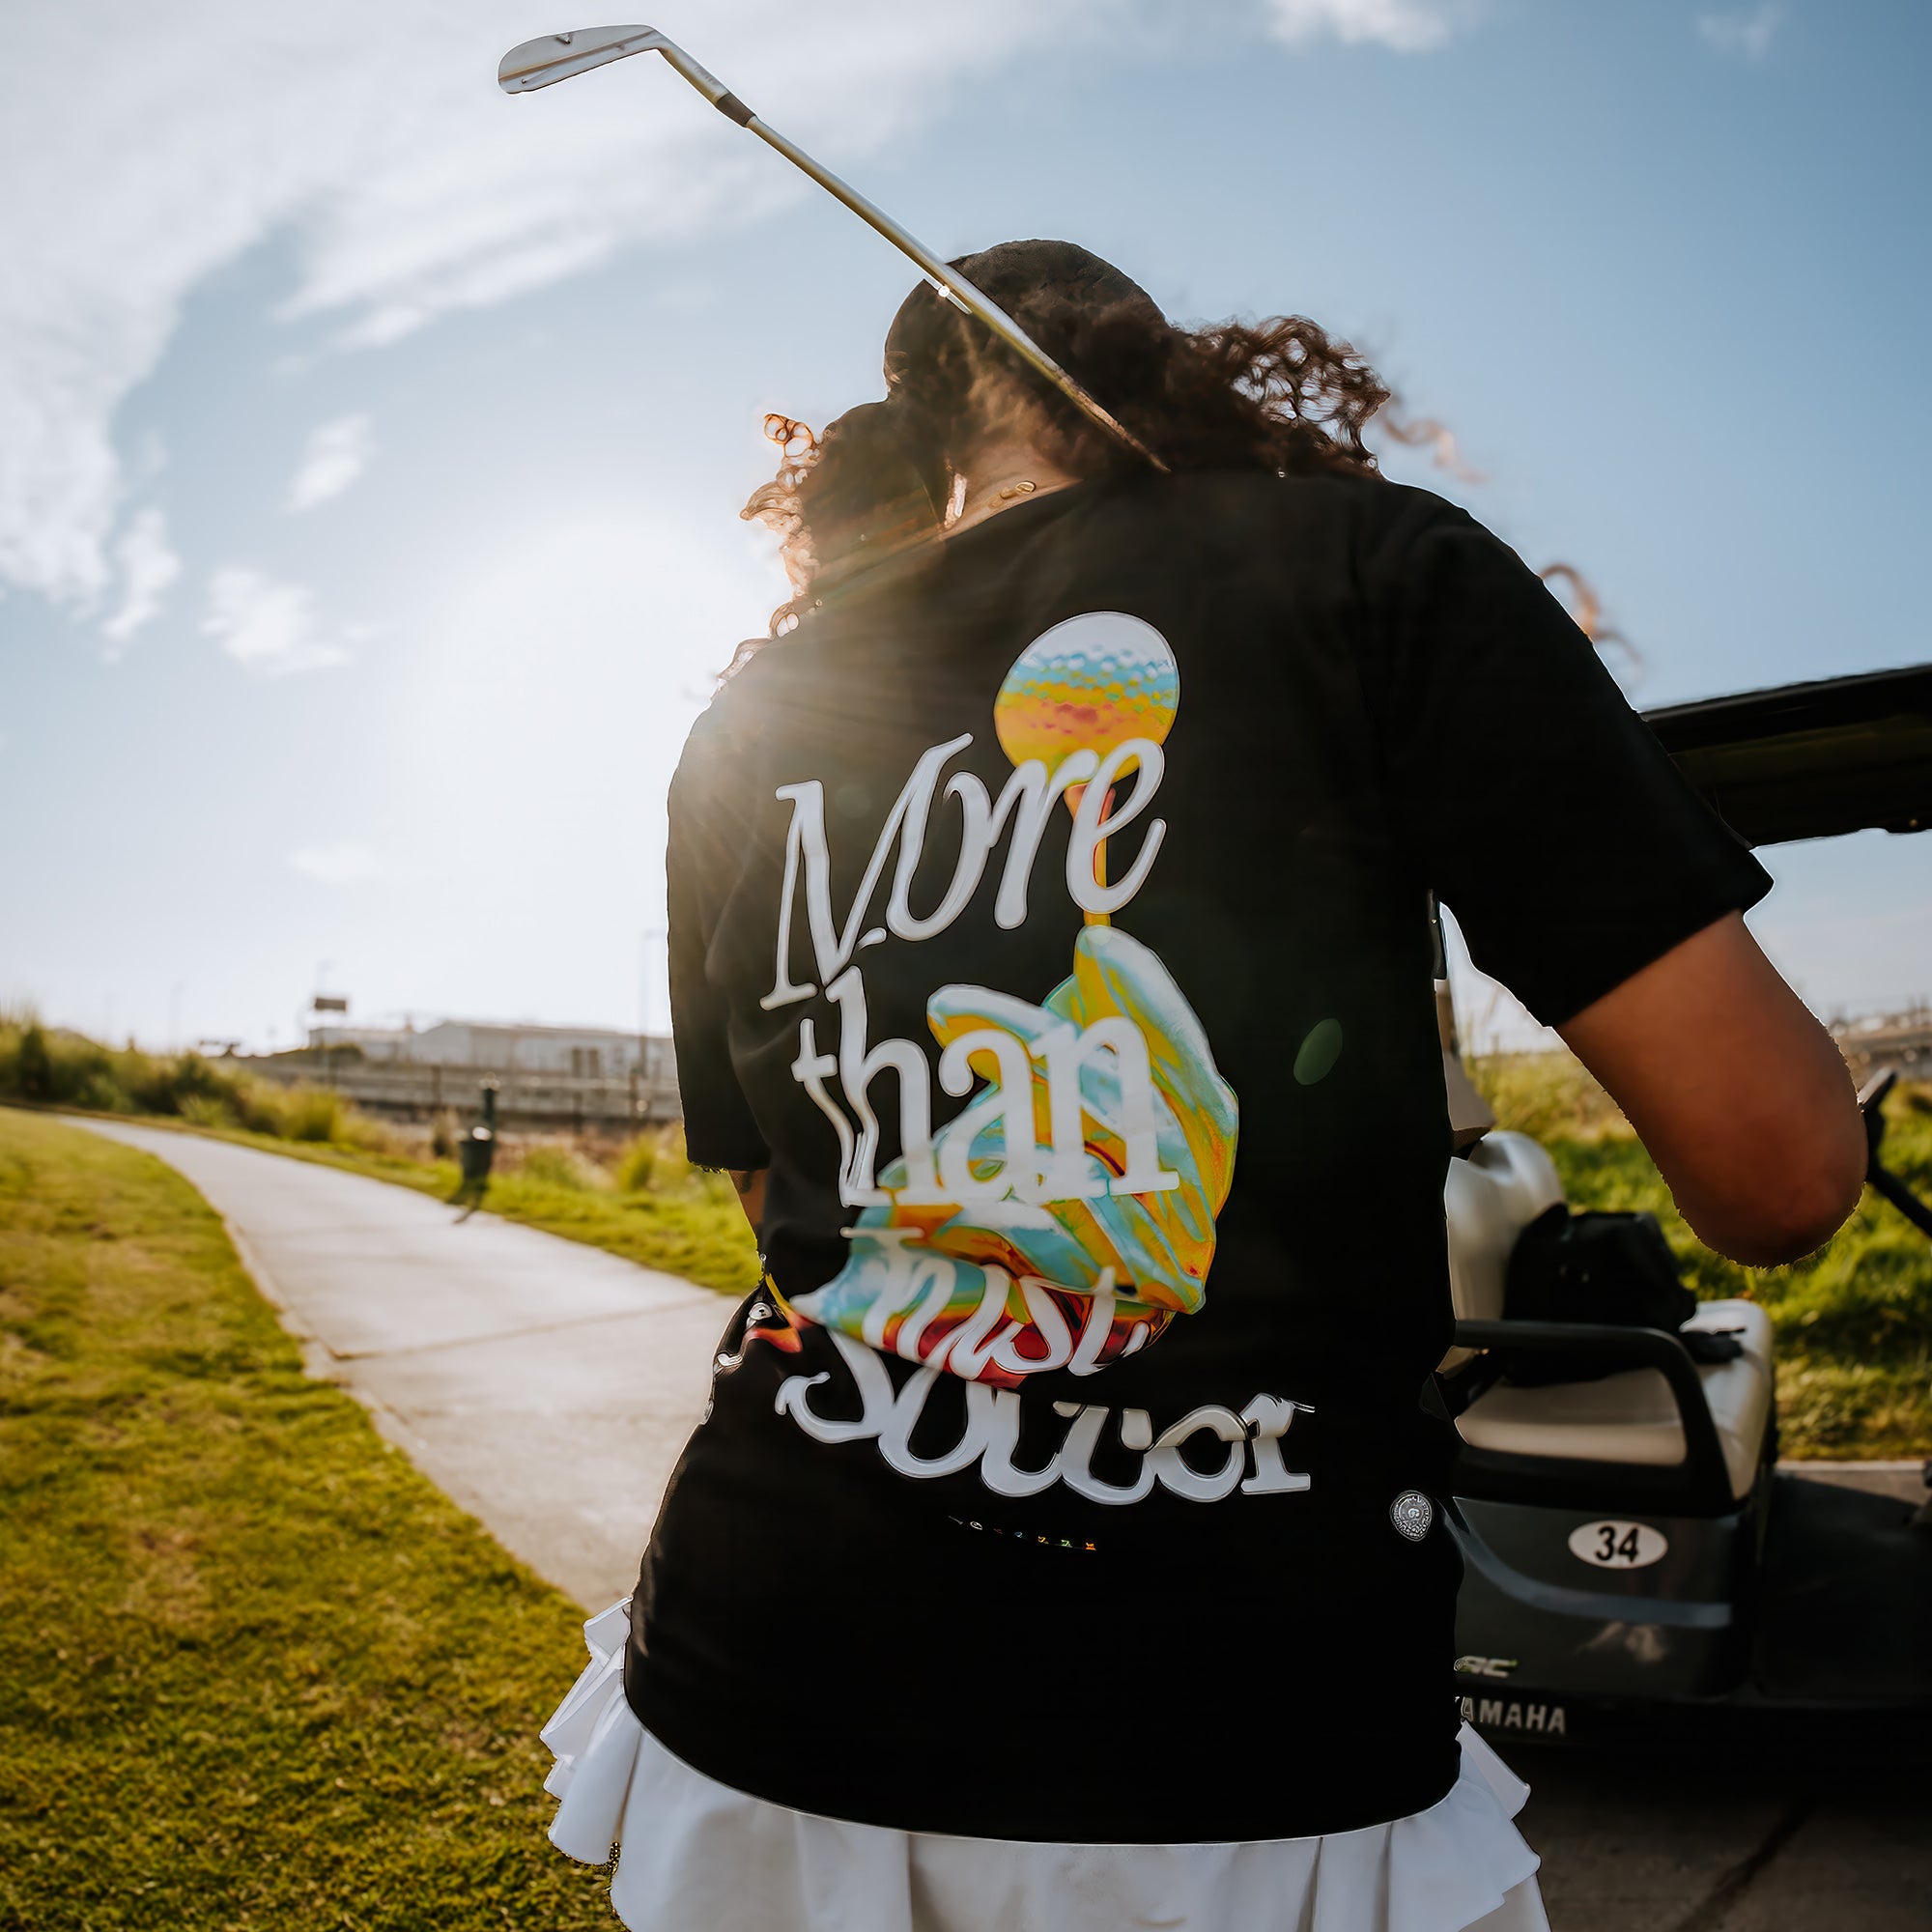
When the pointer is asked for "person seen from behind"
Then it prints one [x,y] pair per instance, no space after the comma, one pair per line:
[1063,1546]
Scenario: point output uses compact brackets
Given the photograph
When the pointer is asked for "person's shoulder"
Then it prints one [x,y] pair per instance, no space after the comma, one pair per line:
[757,683]
[759,693]
[1386,512]
[1403,535]
[731,724]
[1362,501]
[1359,527]
[1406,510]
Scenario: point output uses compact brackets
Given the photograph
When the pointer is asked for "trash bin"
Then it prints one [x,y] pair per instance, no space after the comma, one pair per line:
[475,1151]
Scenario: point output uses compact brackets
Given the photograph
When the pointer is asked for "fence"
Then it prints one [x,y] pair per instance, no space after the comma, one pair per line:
[411,1091]
[1902,1041]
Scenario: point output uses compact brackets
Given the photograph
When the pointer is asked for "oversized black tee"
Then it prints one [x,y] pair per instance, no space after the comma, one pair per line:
[1051,923]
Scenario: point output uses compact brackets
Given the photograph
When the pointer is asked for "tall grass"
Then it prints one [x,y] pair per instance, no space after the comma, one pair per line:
[654,1160]
[51,1066]
[553,1163]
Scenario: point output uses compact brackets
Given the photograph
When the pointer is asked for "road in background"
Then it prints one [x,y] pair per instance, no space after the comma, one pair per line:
[548,1388]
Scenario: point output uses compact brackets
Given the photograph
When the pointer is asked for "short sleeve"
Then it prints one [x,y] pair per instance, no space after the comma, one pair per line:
[705,855]
[1542,808]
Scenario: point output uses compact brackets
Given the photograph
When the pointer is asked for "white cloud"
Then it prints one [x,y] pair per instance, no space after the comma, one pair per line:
[336,864]
[148,566]
[267,626]
[337,454]
[1745,33]
[143,146]
[1408,26]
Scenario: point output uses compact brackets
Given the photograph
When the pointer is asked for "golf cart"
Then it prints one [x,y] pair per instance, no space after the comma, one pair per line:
[1634,1561]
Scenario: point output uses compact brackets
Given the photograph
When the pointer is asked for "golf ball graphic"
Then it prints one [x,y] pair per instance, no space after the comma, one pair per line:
[1097,680]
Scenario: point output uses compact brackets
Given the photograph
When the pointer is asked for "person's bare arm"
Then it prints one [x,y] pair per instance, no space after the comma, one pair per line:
[1744,1101]
[750,1186]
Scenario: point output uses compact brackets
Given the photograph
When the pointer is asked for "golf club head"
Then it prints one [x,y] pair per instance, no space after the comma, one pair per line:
[554,57]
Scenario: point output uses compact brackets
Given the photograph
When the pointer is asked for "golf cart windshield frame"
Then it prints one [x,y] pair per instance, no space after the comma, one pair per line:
[1810,760]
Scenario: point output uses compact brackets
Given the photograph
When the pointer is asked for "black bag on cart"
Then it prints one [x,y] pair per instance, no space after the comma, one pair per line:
[1600,1267]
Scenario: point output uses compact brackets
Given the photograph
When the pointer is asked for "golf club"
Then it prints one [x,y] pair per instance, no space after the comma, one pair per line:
[554,57]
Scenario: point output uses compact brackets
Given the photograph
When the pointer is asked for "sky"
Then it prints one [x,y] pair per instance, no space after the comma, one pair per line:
[371,444]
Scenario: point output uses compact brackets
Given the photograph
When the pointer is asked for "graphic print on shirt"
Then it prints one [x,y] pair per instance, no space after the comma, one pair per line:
[1067,1214]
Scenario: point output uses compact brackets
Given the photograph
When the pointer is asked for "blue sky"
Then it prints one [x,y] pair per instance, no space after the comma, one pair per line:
[371,445]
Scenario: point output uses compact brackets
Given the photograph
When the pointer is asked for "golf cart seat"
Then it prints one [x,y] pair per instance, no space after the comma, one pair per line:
[1630,1417]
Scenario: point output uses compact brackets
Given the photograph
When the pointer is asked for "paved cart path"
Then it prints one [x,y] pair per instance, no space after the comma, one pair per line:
[548,1388]
[1671,1845]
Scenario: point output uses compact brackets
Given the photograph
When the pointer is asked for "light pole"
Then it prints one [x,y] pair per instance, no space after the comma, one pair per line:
[650,934]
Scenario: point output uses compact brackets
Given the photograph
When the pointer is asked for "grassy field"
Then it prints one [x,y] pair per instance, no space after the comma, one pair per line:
[1854,1322]
[256,1675]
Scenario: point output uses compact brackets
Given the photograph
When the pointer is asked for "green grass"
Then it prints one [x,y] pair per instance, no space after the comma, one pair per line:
[53,1066]
[256,1674]
[1853,1322]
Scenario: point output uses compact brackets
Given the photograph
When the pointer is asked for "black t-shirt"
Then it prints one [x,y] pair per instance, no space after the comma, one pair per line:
[1051,923]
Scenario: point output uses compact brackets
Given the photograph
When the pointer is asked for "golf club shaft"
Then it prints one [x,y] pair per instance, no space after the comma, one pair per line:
[949,284]
[959,290]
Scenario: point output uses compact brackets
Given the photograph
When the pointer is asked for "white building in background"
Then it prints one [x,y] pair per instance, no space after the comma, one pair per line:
[491,1046]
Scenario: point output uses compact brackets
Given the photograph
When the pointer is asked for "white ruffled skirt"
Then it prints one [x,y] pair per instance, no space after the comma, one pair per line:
[695,1855]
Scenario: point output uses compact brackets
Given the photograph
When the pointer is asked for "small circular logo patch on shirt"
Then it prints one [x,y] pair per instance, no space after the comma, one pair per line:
[1412,1513]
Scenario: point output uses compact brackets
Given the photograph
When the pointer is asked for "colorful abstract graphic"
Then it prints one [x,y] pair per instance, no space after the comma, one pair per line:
[1049,1267]
[1074,1210]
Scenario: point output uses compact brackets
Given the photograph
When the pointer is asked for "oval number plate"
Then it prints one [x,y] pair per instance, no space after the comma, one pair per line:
[1618,1546]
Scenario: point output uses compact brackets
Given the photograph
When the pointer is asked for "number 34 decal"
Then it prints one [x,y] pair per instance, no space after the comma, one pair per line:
[1617,1545]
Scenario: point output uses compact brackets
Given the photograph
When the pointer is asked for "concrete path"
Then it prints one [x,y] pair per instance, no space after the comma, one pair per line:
[547,1388]
[1664,1846]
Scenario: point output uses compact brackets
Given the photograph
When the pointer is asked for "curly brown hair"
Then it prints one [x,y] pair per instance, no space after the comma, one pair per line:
[1280,394]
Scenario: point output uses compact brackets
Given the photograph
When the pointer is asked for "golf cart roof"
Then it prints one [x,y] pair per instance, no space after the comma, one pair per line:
[1810,760]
